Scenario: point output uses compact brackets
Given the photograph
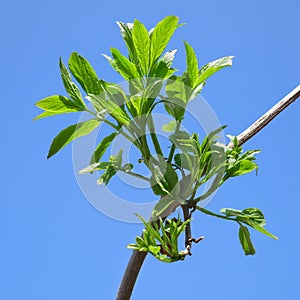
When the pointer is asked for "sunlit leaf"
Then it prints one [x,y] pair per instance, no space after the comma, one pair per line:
[95,167]
[141,42]
[125,67]
[84,74]
[102,147]
[113,109]
[162,68]
[58,104]
[71,133]
[212,67]
[169,127]
[192,66]
[161,36]
[111,170]
[245,240]
[70,86]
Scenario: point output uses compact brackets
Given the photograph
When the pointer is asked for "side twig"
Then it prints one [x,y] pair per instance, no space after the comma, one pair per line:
[137,258]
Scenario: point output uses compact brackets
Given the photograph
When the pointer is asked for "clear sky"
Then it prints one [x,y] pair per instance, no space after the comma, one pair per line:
[55,245]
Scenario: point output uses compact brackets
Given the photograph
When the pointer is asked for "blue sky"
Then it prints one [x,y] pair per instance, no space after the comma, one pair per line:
[55,245]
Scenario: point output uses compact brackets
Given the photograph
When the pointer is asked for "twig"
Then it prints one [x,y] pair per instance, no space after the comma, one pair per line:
[137,258]
[268,116]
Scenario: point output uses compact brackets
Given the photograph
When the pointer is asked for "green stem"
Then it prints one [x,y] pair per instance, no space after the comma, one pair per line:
[130,138]
[135,175]
[154,137]
[173,147]
[145,150]
[208,212]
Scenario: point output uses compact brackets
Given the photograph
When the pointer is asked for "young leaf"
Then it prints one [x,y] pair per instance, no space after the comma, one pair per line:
[165,206]
[58,104]
[141,42]
[161,36]
[95,167]
[107,175]
[45,114]
[250,216]
[84,74]
[261,229]
[255,218]
[169,127]
[162,68]
[176,88]
[240,168]
[70,86]
[192,66]
[164,180]
[125,67]
[244,236]
[113,109]
[230,212]
[115,164]
[101,148]
[185,161]
[126,32]
[213,67]
[71,133]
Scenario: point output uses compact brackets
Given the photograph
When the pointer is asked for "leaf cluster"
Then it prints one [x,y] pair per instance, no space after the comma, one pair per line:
[160,238]
[176,174]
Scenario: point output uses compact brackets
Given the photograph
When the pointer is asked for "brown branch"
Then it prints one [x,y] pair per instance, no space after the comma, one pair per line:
[188,231]
[268,116]
[131,273]
[137,258]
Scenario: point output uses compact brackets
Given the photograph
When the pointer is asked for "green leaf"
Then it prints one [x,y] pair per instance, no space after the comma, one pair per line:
[58,104]
[154,249]
[125,67]
[95,167]
[107,175]
[70,86]
[240,168]
[261,229]
[250,216]
[254,214]
[244,236]
[115,165]
[44,115]
[126,32]
[169,127]
[161,36]
[230,212]
[84,74]
[116,160]
[141,42]
[165,206]
[102,147]
[162,68]
[175,88]
[164,180]
[71,133]
[185,161]
[113,109]
[212,67]
[183,141]
[111,62]
[192,66]
[255,218]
